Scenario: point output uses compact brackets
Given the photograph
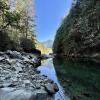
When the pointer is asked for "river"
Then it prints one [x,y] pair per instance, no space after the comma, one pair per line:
[77,80]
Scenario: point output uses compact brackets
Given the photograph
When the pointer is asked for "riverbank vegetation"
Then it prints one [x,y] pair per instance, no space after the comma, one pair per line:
[79,33]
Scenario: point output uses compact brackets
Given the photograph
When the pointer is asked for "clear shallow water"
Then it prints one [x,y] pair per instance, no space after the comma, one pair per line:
[47,68]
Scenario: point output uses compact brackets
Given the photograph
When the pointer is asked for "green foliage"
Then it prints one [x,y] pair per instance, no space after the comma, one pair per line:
[6,43]
[27,45]
[79,31]
[15,25]
[4,39]
[12,19]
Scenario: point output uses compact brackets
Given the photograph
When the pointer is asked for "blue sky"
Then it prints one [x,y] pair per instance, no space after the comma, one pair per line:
[49,16]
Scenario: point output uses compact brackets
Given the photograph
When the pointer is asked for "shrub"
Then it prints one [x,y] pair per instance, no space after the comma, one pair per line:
[27,45]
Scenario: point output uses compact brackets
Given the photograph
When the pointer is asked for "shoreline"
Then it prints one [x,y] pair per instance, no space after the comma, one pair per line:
[92,57]
[18,73]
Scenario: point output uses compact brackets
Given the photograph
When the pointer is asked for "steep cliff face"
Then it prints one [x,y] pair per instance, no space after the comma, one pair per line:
[79,32]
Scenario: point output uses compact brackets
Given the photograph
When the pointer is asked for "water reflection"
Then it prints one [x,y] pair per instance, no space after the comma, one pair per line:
[81,80]
[48,69]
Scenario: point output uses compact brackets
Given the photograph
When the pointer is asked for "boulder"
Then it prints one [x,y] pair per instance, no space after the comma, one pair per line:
[41,94]
[51,88]
[14,94]
[56,87]
[14,54]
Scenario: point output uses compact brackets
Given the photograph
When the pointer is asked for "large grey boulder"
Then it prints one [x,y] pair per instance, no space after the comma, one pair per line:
[51,88]
[22,94]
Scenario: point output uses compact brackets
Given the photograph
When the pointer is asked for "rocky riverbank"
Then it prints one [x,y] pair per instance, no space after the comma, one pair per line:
[20,80]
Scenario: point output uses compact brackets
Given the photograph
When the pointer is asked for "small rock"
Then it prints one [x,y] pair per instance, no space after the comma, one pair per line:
[51,81]
[7,77]
[13,69]
[1,86]
[19,69]
[8,52]
[1,53]
[35,60]
[38,86]
[25,59]
[49,88]
[45,76]
[27,83]
[1,58]
[11,85]
[56,87]
[33,97]
[37,71]
[41,95]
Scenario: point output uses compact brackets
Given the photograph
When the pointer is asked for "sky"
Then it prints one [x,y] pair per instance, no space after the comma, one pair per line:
[49,17]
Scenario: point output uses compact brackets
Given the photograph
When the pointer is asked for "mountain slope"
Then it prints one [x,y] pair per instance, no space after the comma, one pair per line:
[42,48]
[79,32]
[48,43]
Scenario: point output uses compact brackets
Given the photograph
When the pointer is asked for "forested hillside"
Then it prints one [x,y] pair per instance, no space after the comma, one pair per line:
[79,32]
[16,26]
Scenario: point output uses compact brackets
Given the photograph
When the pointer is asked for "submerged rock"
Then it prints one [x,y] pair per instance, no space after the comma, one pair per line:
[56,87]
